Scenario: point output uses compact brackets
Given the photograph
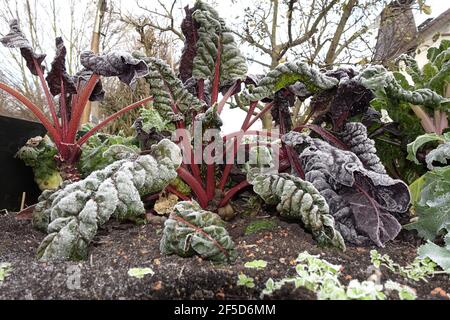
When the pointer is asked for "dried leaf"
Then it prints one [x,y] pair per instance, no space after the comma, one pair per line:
[164,205]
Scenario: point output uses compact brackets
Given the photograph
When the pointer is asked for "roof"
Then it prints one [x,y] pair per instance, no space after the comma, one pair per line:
[398,33]
[434,25]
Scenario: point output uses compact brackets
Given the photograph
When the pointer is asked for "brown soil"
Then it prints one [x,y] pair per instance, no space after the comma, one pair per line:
[119,247]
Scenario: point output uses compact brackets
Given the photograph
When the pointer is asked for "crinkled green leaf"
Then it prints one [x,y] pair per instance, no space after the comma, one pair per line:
[39,153]
[94,154]
[378,78]
[167,90]
[212,33]
[71,215]
[190,230]
[288,74]
[297,199]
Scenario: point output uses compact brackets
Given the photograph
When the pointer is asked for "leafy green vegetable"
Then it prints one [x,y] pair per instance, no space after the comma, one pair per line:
[5,270]
[94,154]
[72,215]
[191,230]
[245,281]
[140,272]
[288,74]
[413,147]
[256,264]
[168,91]
[440,255]
[433,208]
[214,37]
[39,153]
[298,199]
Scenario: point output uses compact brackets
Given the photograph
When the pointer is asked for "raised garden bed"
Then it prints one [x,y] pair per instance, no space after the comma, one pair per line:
[119,247]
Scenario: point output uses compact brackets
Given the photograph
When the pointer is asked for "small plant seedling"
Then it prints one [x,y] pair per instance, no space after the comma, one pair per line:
[5,270]
[404,292]
[245,281]
[256,264]
[259,225]
[419,269]
[140,273]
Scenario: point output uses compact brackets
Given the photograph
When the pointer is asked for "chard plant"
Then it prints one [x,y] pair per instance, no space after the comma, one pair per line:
[66,96]
[416,101]
[325,172]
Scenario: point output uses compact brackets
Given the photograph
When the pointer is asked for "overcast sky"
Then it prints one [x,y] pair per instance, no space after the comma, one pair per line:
[224,7]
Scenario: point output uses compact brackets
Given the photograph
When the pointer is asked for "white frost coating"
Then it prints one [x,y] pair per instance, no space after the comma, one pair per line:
[72,214]
[296,198]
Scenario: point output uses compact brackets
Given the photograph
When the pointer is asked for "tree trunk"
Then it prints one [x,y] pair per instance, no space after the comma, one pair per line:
[95,47]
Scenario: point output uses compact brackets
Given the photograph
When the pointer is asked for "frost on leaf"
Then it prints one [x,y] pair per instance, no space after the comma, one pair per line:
[16,39]
[58,76]
[364,203]
[355,137]
[214,37]
[120,64]
[348,99]
[167,90]
[297,199]
[378,78]
[39,154]
[288,74]
[72,214]
[190,230]
[82,77]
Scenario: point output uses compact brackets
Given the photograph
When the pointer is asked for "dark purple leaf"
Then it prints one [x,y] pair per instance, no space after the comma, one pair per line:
[299,90]
[189,29]
[349,99]
[282,101]
[365,203]
[58,72]
[120,64]
[377,224]
[81,79]
[16,39]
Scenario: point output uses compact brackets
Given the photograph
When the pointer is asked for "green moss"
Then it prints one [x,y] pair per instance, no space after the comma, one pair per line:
[259,225]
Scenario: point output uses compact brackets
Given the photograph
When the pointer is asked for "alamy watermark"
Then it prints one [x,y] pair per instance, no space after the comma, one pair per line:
[209,146]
